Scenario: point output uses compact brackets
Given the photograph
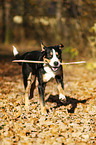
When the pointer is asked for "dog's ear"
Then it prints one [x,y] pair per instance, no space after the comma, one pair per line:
[42,46]
[60,46]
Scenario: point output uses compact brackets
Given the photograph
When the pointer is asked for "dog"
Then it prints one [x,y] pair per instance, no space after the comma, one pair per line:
[43,72]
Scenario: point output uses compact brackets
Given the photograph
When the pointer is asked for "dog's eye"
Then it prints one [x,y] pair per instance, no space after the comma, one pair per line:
[50,56]
[57,54]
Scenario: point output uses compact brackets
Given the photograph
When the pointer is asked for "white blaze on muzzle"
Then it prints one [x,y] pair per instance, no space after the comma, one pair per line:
[54,62]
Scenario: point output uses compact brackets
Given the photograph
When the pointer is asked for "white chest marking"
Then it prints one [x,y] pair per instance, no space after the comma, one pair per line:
[49,74]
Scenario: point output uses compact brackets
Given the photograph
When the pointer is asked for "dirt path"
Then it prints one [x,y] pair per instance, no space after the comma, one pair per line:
[72,123]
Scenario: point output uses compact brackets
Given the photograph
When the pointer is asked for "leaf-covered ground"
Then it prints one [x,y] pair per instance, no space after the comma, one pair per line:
[72,123]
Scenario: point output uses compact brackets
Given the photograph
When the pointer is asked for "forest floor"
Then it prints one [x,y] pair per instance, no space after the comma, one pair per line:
[72,123]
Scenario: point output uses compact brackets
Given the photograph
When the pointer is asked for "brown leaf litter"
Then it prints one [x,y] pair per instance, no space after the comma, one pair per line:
[72,123]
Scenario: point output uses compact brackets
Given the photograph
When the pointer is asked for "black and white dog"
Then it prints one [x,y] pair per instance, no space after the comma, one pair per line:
[43,72]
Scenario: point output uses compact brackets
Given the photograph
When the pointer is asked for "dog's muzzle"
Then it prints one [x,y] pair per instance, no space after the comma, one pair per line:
[55,66]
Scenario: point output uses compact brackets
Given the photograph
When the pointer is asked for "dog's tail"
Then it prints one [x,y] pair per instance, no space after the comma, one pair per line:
[15,52]
[16,55]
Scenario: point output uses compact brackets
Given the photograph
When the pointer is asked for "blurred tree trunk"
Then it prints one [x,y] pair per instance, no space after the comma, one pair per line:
[17,10]
[3,20]
[25,19]
[7,22]
[22,26]
[58,17]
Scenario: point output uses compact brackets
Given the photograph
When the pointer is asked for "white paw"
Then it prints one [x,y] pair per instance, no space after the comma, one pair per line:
[62,98]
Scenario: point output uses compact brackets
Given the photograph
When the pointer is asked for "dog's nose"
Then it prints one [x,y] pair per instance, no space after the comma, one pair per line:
[56,63]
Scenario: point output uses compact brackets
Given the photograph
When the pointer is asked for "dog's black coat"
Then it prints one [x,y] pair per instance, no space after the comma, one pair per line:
[38,69]
[30,67]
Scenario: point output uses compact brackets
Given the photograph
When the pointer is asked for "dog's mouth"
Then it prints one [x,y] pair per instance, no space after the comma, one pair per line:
[54,68]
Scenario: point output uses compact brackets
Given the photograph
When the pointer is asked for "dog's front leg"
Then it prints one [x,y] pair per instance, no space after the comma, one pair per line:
[60,86]
[41,88]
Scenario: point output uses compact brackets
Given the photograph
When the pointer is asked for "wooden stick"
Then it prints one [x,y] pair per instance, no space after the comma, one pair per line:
[28,61]
[31,61]
[78,62]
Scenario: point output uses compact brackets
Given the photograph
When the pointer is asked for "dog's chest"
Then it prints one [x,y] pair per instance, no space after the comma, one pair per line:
[49,74]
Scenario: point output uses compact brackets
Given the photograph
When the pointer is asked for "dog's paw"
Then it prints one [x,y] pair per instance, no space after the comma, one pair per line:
[43,111]
[62,98]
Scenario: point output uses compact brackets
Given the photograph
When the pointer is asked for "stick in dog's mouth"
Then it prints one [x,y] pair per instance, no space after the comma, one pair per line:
[32,61]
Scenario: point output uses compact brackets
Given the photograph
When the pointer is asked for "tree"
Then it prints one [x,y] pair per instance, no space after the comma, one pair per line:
[58,18]
[6,22]
[3,20]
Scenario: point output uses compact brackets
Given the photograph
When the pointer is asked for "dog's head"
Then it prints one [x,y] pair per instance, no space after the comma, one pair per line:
[52,55]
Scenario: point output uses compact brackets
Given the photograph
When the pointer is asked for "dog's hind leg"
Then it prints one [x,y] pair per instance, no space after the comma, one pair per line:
[41,89]
[32,87]
[27,78]
[27,90]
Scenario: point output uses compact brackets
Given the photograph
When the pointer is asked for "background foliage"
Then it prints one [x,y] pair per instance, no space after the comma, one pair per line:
[64,21]
[24,23]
